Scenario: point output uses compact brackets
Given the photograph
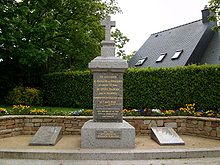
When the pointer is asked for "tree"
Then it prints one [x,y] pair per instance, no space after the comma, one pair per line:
[214,7]
[41,36]
[120,41]
[129,56]
[55,34]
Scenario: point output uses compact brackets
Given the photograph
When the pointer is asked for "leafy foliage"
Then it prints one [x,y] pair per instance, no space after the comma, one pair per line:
[26,110]
[129,56]
[83,112]
[120,41]
[25,96]
[3,111]
[20,110]
[56,32]
[44,36]
[214,7]
[36,110]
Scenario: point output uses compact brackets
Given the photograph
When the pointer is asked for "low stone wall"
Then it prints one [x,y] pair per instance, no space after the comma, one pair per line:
[199,126]
[71,125]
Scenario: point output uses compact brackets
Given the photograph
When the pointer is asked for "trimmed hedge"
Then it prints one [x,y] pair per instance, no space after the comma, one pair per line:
[164,88]
[68,89]
[171,88]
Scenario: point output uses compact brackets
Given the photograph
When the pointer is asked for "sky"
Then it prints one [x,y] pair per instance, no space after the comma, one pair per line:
[140,18]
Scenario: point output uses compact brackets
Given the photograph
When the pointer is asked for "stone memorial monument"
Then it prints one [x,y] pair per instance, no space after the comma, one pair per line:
[107,129]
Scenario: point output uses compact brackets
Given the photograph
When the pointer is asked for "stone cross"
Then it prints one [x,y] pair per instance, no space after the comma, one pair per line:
[108,24]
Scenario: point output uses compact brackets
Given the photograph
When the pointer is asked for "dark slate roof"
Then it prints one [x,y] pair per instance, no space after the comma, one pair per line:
[212,53]
[192,38]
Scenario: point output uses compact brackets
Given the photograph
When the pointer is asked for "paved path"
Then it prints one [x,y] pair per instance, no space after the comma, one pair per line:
[200,161]
[71,142]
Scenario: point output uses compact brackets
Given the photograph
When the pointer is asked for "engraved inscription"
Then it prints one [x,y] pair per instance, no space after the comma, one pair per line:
[107,90]
[107,114]
[108,134]
[108,96]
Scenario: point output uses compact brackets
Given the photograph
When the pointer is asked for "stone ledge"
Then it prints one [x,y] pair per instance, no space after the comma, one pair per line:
[172,117]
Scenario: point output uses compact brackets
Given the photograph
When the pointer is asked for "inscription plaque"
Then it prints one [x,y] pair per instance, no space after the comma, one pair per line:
[108,134]
[166,136]
[46,135]
[107,96]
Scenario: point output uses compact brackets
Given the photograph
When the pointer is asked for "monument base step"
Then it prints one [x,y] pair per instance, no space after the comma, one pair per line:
[109,154]
[107,135]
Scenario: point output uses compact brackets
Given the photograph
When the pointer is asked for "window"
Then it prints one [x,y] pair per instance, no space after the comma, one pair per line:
[140,61]
[160,59]
[177,54]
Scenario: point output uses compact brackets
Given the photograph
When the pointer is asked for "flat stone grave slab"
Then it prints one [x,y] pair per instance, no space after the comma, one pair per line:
[46,135]
[166,136]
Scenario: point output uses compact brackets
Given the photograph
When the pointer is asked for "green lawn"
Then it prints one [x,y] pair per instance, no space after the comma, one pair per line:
[58,110]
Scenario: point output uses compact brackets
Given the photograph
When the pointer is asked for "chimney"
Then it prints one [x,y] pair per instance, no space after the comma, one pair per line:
[205,14]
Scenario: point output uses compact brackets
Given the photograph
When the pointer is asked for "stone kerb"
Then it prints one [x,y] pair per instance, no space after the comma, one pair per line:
[71,125]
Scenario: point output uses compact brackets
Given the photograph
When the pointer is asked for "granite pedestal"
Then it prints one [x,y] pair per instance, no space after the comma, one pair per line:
[107,135]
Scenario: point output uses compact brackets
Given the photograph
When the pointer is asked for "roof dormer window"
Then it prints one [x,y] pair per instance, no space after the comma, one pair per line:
[162,56]
[177,54]
[140,61]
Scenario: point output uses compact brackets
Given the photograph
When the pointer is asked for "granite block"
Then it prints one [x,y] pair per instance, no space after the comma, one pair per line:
[107,135]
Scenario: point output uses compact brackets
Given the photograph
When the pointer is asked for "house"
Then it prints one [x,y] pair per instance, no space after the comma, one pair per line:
[191,43]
